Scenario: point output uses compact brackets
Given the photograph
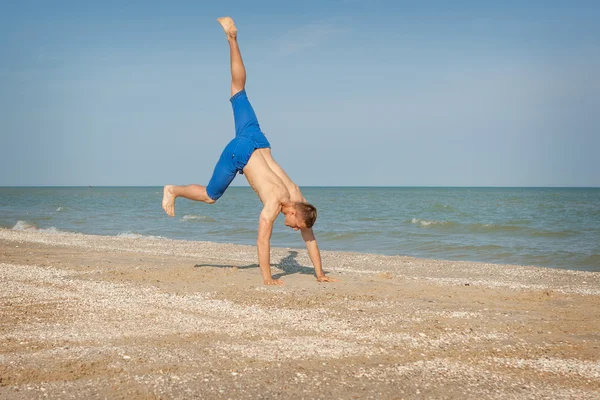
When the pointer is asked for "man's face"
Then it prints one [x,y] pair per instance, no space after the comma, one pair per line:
[294,222]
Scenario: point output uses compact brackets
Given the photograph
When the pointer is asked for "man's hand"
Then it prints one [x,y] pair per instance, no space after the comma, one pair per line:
[315,255]
[324,278]
[273,282]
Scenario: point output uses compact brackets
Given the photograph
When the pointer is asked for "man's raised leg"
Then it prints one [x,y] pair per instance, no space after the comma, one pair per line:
[238,72]
[191,192]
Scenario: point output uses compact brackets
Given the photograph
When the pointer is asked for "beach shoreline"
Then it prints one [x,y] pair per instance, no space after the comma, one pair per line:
[99,316]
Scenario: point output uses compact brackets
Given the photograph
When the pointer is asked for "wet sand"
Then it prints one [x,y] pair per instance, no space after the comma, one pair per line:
[105,317]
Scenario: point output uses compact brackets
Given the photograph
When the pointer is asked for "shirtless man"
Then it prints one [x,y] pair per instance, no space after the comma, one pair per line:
[249,153]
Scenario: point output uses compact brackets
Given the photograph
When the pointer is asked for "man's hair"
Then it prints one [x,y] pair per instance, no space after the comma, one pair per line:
[307,213]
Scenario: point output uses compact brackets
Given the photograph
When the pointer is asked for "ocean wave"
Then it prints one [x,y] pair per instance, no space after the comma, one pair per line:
[24,226]
[27,226]
[193,217]
[496,228]
[425,222]
[134,235]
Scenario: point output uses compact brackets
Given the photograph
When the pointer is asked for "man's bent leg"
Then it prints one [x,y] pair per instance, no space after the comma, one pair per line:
[191,192]
[238,72]
[223,174]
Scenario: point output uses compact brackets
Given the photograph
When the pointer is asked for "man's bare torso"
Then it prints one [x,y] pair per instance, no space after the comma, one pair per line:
[269,180]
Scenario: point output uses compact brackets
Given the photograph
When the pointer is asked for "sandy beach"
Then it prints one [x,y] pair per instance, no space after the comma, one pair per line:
[107,317]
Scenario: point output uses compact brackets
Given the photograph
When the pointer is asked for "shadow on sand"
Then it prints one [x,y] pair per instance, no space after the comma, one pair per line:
[288,265]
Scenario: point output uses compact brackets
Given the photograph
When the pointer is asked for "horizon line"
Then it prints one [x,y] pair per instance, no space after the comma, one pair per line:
[320,186]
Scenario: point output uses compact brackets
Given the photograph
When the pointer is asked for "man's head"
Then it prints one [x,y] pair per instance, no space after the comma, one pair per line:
[301,216]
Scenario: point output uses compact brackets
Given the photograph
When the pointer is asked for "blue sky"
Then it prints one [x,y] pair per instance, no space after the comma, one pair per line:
[398,93]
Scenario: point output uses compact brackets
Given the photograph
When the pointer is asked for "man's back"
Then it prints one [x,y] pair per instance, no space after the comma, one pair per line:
[269,180]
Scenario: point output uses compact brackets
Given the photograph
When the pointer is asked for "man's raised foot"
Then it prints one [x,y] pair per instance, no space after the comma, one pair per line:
[228,26]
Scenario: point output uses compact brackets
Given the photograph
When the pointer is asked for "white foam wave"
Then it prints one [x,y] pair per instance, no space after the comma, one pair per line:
[133,235]
[424,222]
[194,217]
[24,226]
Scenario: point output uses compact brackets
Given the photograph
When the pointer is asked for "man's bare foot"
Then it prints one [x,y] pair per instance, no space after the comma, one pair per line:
[168,203]
[228,27]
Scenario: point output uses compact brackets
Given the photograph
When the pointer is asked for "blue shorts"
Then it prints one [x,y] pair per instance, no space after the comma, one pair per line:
[236,154]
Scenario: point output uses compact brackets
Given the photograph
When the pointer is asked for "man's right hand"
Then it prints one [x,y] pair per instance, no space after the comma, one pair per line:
[273,282]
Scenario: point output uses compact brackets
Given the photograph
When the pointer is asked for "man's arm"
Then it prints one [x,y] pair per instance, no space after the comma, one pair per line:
[263,242]
[315,255]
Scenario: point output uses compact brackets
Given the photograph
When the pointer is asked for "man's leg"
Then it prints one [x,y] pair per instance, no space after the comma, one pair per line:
[238,72]
[223,174]
[191,192]
[246,123]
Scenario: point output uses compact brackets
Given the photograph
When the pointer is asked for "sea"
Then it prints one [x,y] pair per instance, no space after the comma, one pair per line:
[548,227]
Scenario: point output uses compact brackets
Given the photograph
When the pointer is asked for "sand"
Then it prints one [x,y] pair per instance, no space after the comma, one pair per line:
[90,317]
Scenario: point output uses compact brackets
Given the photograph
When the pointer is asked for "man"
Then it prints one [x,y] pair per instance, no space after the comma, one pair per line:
[249,153]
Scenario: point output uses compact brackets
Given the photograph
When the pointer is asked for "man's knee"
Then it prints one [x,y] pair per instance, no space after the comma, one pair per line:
[212,196]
